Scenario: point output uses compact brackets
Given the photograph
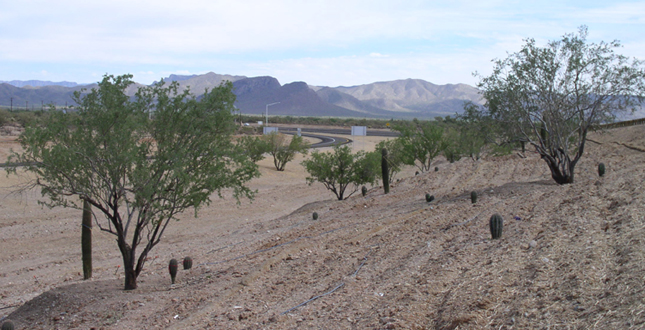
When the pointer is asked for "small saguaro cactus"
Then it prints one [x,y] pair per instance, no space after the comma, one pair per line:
[385,171]
[188,263]
[601,169]
[86,240]
[172,269]
[429,198]
[364,191]
[473,197]
[8,325]
[496,224]
[436,169]
[315,215]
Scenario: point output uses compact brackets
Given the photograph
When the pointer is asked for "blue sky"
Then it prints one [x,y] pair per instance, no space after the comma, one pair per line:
[325,43]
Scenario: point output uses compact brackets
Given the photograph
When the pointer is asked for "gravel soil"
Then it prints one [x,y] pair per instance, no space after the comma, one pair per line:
[570,257]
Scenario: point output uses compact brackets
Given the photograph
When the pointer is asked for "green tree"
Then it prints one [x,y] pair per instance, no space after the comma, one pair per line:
[341,171]
[562,89]
[254,146]
[284,149]
[139,162]
[422,141]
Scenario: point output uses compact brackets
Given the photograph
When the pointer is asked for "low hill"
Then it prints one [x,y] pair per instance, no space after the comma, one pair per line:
[570,256]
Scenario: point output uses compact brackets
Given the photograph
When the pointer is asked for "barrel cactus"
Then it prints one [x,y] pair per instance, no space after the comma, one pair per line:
[436,169]
[7,325]
[429,198]
[601,169]
[473,197]
[188,263]
[364,191]
[172,268]
[315,216]
[496,224]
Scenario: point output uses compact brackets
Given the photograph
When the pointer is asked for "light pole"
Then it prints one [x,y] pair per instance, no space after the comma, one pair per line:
[267,115]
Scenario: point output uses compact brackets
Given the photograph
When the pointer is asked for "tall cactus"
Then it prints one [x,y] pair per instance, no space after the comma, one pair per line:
[172,269]
[385,170]
[496,224]
[86,240]
[601,169]
[473,197]
[363,191]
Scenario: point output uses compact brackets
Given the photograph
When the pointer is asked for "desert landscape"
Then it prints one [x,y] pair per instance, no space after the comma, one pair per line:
[570,257]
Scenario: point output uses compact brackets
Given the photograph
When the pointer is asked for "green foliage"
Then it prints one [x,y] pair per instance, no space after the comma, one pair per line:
[187,263]
[385,171]
[421,143]
[551,96]
[314,216]
[140,161]
[172,269]
[341,171]
[283,150]
[601,169]
[496,224]
[473,197]
[254,146]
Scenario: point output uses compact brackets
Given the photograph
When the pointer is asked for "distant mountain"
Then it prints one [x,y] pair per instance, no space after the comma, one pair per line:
[410,98]
[38,83]
[414,96]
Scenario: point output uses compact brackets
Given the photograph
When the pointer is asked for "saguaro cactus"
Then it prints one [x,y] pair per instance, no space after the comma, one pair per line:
[315,215]
[86,240]
[385,171]
[364,191]
[473,197]
[496,224]
[172,269]
[601,169]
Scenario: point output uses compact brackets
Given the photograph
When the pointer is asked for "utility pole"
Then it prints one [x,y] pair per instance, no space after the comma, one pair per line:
[11,109]
[26,105]
[42,105]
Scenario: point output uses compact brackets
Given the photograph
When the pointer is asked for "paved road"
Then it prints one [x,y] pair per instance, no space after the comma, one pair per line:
[339,131]
[326,141]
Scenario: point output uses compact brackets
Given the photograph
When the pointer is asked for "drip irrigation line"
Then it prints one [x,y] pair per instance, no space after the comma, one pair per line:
[314,298]
[224,247]
[6,307]
[363,263]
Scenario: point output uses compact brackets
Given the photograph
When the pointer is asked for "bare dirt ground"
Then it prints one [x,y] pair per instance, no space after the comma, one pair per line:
[571,257]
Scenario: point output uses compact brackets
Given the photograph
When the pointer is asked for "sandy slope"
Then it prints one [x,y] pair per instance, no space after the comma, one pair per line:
[570,256]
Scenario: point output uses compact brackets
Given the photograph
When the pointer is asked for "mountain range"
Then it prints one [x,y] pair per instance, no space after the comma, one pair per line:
[409,98]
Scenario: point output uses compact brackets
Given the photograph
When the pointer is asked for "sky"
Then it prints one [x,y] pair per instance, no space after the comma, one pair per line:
[323,43]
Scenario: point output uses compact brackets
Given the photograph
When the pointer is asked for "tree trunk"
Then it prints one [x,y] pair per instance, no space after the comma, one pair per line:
[128,265]
[86,240]
[561,167]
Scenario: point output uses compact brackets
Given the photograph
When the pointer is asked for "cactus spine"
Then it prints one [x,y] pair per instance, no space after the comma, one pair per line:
[7,325]
[86,240]
[315,216]
[429,198]
[172,269]
[364,191]
[601,169]
[188,263]
[473,197]
[496,224]
[385,170]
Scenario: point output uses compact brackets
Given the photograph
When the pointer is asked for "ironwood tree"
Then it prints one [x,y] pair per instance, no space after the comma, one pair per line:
[551,96]
[138,161]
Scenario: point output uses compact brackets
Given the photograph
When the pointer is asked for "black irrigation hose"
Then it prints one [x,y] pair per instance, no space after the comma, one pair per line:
[314,298]
[333,290]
